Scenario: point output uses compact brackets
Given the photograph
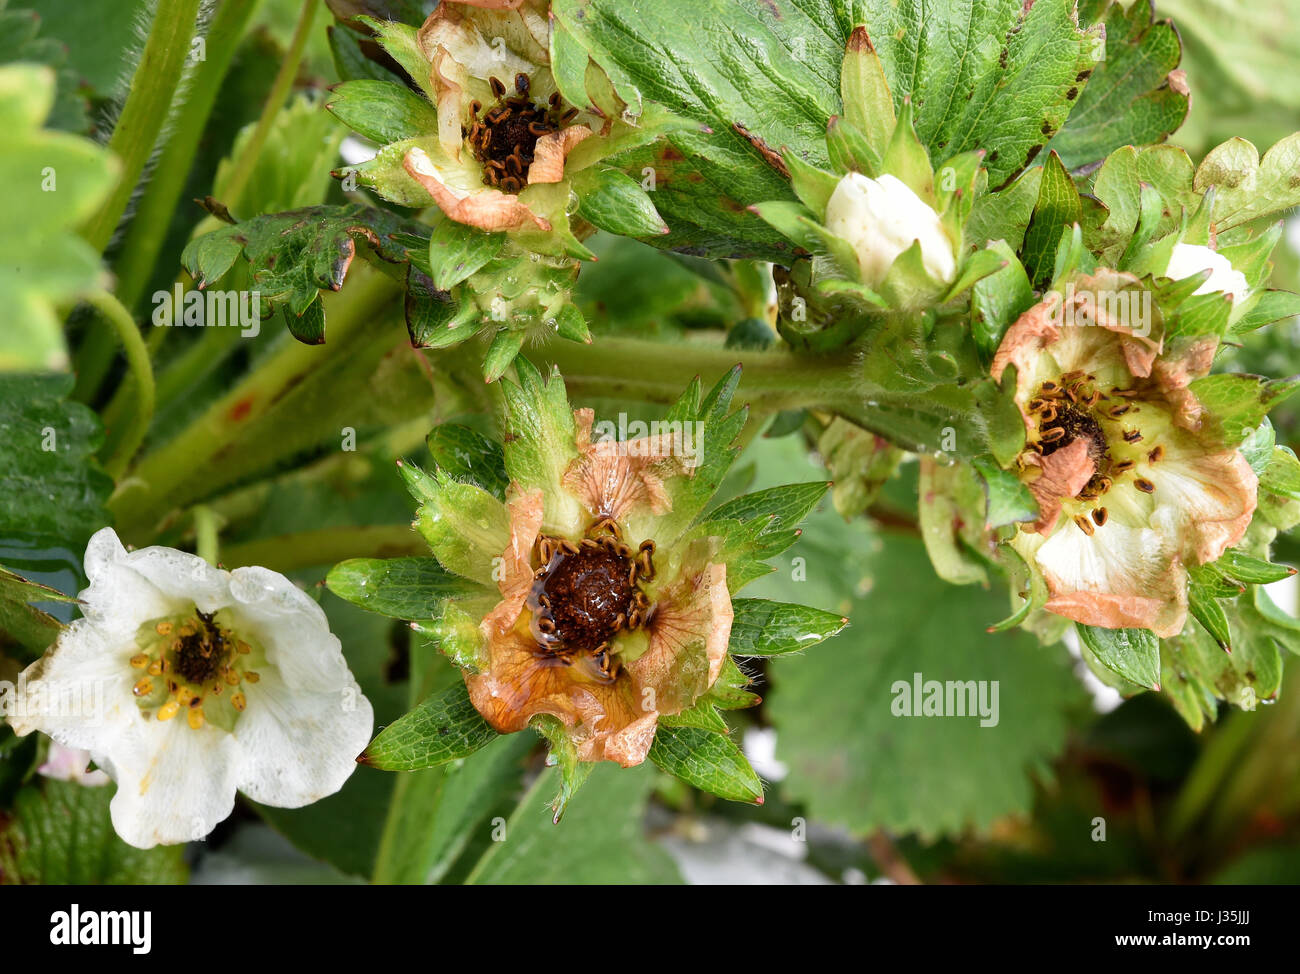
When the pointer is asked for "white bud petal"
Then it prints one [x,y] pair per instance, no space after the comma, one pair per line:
[881,218]
[1189,259]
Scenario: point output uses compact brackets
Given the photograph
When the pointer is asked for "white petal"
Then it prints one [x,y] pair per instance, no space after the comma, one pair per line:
[120,598]
[174,784]
[1116,558]
[299,747]
[182,577]
[79,693]
[291,627]
[882,218]
[1189,259]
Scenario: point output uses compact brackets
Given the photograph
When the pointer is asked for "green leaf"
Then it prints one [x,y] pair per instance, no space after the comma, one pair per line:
[614,201]
[295,255]
[763,628]
[402,588]
[601,840]
[57,181]
[1134,654]
[22,622]
[49,480]
[708,760]
[1058,208]
[852,762]
[470,456]
[1132,97]
[457,251]
[382,111]
[1235,403]
[1282,475]
[766,78]
[59,833]
[443,728]
[1247,187]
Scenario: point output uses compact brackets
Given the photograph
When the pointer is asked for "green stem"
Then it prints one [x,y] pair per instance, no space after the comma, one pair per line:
[148,105]
[144,238]
[771,381]
[137,360]
[206,530]
[254,425]
[326,546]
[242,171]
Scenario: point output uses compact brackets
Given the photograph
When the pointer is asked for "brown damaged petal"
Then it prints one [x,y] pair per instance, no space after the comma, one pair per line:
[1062,475]
[612,477]
[550,152]
[486,208]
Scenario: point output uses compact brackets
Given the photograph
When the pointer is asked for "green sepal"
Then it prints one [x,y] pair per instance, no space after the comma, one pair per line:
[456,251]
[764,628]
[708,760]
[466,527]
[614,201]
[1133,654]
[564,754]
[381,111]
[470,456]
[868,104]
[445,727]
[401,588]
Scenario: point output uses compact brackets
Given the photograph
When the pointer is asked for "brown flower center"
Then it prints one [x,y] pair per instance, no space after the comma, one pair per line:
[585,593]
[504,139]
[201,653]
[1076,408]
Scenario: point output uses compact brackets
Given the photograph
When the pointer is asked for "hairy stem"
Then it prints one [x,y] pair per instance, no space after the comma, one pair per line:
[148,104]
[242,171]
[137,360]
[144,237]
[630,368]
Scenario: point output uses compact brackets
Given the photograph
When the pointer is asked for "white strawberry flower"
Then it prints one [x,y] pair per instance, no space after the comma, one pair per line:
[204,682]
[1189,259]
[882,218]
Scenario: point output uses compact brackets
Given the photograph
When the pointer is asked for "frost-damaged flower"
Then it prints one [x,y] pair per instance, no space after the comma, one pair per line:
[507,159]
[187,683]
[596,604]
[1130,488]
[502,125]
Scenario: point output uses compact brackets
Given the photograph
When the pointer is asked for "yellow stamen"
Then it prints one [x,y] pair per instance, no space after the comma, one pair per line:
[169,710]
[139,661]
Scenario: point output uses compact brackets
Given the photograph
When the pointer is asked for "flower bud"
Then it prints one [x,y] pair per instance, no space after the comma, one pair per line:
[881,218]
[1189,259]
